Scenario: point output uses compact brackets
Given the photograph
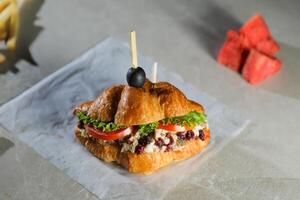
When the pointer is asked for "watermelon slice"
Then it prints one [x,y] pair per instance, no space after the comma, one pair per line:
[233,36]
[255,29]
[245,43]
[251,51]
[268,47]
[230,54]
[259,66]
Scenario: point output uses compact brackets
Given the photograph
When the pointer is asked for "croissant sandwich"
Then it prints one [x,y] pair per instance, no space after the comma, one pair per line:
[142,128]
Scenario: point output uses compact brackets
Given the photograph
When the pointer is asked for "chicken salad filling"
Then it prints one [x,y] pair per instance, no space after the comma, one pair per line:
[163,136]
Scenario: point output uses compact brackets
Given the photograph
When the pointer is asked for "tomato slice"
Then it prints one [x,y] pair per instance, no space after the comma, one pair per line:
[113,135]
[174,127]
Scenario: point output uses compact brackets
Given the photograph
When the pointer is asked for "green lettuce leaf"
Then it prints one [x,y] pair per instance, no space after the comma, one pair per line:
[146,129]
[104,126]
[190,119]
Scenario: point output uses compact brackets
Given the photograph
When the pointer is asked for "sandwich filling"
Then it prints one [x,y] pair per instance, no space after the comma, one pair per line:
[162,136]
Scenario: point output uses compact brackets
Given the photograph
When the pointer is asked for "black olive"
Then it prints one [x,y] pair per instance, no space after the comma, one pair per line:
[136,77]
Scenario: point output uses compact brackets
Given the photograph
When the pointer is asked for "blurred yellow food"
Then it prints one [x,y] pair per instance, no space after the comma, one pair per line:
[9,24]
[4,4]
[2,58]
[13,28]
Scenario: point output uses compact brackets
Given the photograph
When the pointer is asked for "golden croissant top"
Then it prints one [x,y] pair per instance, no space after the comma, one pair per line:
[127,105]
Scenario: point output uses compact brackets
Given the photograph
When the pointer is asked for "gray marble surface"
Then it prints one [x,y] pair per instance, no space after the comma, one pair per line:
[262,163]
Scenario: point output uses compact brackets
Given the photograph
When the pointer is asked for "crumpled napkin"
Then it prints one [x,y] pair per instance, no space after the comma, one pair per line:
[42,118]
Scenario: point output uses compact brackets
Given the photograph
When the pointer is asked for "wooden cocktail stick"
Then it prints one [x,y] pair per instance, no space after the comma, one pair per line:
[154,73]
[133,49]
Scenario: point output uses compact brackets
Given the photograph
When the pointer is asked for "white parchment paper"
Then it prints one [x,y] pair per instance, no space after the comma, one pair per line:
[42,118]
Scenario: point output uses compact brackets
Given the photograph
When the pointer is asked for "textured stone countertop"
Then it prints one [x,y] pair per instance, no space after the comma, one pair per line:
[262,163]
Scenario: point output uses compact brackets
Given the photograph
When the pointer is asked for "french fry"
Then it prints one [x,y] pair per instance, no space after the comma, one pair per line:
[3,33]
[9,24]
[4,4]
[2,58]
[5,16]
[13,28]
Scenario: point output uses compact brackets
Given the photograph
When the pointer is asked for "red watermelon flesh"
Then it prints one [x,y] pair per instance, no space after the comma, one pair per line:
[230,54]
[240,39]
[233,36]
[255,29]
[245,42]
[268,47]
[258,67]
